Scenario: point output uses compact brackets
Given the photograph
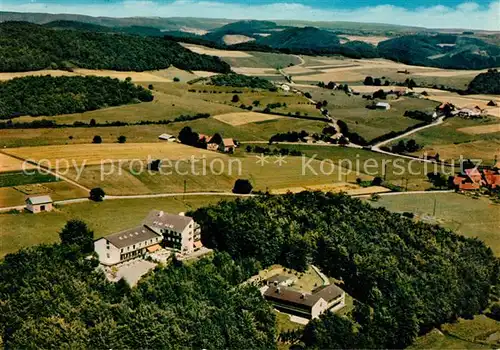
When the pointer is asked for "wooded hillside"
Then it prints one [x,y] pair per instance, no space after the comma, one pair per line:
[407,277]
[47,95]
[25,47]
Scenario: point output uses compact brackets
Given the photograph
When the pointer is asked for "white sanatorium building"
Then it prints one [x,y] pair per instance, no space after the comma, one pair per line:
[177,232]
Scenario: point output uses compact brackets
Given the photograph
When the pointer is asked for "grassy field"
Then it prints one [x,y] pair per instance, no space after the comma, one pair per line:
[242,118]
[370,163]
[463,214]
[200,177]
[256,131]
[15,196]
[452,141]
[479,333]
[294,103]
[25,229]
[262,60]
[370,123]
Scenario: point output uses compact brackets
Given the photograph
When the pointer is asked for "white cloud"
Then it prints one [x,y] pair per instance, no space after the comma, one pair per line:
[468,15]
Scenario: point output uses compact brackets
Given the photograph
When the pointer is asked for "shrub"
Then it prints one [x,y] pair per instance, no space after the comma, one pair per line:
[122,139]
[97,139]
[97,194]
[242,186]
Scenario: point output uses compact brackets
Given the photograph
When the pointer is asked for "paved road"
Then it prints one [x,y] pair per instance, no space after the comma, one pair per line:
[141,196]
[215,194]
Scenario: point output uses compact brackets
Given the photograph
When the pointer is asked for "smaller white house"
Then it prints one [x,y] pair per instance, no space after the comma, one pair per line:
[383,105]
[167,137]
[38,204]
[125,245]
[285,88]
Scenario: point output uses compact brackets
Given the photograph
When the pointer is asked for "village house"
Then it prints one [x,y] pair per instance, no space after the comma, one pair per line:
[227,145]
[382,105]
[474,179]
[178,232]
[38,204]
[306,305]
[285,88]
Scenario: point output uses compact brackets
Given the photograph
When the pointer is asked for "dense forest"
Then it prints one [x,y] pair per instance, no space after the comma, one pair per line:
[407,277]
[52,297]
[47,95]
[26,47]
[240,80]
[485,83]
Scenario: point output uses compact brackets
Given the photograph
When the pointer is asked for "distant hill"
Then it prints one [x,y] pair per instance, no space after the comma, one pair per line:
[442,50]
[89,27]
[301,38]
[173,23]
[485,83]
[25,47]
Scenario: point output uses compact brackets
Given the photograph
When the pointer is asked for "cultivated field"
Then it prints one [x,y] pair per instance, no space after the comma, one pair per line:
[236,119]
[481,129]
[373,39]
[451,140]
[11,164]
[15,196]
[162,75]
[344,70]
[89,154]
[349,188]
[214,52]
[215,176]
[24,230]
[394,169]
[464,215]
[236,39]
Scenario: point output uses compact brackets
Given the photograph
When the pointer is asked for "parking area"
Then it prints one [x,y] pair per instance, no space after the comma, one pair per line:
[131,271]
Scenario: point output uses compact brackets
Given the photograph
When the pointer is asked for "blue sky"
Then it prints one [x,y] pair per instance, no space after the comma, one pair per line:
[479,14]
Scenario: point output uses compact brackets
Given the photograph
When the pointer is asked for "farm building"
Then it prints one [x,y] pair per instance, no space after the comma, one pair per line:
[468,113]
[474,179]
[178,232]
[37,204]
[227,146]
[167,137]
[383,105]
[306,305]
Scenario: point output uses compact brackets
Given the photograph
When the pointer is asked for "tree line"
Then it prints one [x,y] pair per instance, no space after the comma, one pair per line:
[407,277]
[47,95]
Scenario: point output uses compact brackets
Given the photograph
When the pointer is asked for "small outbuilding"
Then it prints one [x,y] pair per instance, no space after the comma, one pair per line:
[383,105]
[167,137]
[38,204]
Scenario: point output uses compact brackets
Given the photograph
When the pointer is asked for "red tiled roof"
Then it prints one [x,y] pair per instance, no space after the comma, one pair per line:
[469,186]
[457,180]
[228,142]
